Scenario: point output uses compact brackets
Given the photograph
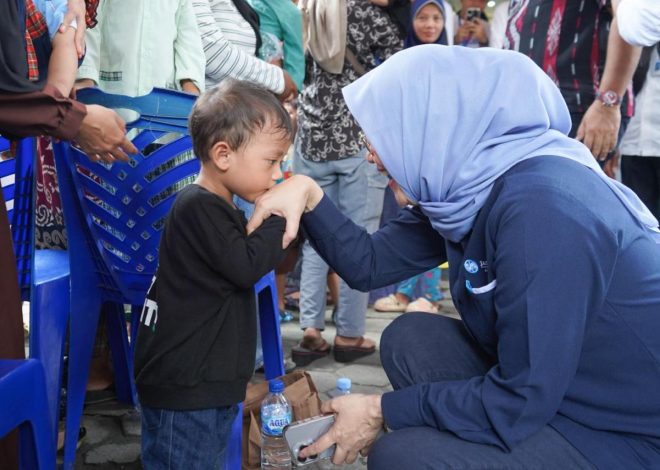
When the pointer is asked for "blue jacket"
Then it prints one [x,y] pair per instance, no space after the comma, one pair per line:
[559,285]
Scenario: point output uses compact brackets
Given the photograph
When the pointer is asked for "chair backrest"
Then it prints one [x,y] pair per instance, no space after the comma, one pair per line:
[16,178]
[122,207]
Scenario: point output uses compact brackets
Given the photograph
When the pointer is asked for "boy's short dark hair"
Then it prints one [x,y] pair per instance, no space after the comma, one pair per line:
[232,112]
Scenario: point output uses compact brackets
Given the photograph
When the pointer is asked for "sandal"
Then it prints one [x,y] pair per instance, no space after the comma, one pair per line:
[308,351]
[422,305]
[351,353]
[389,304]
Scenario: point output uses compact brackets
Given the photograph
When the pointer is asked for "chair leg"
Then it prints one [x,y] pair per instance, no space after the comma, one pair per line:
[122,356]
[49,318]
[233,451]
[269,322]
[84,320]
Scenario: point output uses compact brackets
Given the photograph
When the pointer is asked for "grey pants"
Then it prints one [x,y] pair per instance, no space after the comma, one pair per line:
[357,189]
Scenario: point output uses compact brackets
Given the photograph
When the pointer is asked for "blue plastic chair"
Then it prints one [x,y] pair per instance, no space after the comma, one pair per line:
[43,274]
[25,406]
[114,216]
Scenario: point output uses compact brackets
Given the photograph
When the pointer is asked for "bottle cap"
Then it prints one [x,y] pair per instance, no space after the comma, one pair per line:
[343,383]
[276,386]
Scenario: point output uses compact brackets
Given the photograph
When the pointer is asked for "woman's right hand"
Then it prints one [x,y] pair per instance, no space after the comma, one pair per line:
[289,199]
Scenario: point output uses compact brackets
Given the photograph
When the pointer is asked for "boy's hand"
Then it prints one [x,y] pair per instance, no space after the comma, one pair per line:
[76,10]
[102,135]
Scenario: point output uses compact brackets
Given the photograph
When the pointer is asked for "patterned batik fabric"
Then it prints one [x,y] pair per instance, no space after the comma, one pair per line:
[326,129]
[568,40]
[49,223]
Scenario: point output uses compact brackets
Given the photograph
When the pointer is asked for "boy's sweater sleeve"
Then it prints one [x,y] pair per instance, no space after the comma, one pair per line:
[223,59]
[222,241]
[189,59]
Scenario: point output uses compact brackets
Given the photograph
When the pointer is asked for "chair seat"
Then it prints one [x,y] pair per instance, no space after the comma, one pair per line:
[50,265]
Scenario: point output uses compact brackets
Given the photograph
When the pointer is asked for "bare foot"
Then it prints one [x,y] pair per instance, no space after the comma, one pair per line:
[349,341]
[312,338]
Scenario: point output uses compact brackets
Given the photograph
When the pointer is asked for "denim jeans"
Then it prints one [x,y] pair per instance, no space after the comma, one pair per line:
[357,190]
[422,347]
[189,440]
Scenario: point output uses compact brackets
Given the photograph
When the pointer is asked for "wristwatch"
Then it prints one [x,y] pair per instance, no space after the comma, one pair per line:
[609,98]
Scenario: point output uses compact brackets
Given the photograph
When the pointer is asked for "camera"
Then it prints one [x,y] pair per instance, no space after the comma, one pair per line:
[301,434]
[473,14]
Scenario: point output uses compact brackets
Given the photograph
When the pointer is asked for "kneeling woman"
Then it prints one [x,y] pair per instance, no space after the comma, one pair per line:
[554,268]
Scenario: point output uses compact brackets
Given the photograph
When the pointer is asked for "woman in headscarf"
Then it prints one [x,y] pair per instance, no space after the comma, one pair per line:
[554,268]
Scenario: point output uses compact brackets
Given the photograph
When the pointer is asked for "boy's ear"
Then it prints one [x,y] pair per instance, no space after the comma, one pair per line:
[220,155]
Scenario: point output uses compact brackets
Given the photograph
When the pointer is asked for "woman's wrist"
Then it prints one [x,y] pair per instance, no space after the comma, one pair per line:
[375,411]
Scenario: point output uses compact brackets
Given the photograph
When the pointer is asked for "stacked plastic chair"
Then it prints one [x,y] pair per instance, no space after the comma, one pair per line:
[114,216]
[29,389]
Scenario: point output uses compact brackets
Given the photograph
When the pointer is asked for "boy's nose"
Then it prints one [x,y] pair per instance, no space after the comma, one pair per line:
[278,173]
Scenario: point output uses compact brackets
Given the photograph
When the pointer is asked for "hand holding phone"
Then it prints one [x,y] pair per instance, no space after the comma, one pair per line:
[473,14]
[301,434]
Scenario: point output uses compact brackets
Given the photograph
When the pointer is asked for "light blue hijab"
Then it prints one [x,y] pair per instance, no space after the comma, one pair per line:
[447,121]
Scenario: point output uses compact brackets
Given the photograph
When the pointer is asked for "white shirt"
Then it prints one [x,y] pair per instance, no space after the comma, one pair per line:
[138,45]
[229,44]
[642,137]
[498,25]
[639,21]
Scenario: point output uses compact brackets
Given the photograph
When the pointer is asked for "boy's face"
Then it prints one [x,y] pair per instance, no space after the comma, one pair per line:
[255,167]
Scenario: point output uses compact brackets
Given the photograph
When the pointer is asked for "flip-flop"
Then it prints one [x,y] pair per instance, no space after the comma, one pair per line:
[351,353]
[304,353]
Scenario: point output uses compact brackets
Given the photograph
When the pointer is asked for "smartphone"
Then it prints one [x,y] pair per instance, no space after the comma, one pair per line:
[473,14]
[300,434]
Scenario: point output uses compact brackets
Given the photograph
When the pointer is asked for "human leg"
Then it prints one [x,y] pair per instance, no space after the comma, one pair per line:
[420,347]
[428,448]
[352,200]
[185,439]
[642,175]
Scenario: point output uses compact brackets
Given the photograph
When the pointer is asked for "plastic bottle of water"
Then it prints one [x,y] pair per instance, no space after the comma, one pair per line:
[275,414]
[343,387]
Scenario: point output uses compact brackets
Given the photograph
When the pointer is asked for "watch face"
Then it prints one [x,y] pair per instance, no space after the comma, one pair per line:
[609,98]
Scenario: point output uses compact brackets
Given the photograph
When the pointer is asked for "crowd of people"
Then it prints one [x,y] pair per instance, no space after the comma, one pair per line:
[498,155]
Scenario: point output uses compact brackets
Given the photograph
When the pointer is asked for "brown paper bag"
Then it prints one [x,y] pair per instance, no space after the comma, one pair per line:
[302,395]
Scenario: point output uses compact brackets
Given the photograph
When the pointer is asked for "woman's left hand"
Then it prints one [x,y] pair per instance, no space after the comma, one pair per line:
[358,419]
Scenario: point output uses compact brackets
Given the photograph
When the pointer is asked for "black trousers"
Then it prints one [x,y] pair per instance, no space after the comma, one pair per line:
[642,175]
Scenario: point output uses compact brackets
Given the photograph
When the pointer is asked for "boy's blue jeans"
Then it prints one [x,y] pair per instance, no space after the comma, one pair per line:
[188,440]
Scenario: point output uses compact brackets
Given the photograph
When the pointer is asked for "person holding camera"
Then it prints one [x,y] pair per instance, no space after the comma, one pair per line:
[472,29]
[553,268]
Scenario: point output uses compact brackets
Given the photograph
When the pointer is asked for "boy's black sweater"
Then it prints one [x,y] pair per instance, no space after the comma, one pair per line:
[197,334]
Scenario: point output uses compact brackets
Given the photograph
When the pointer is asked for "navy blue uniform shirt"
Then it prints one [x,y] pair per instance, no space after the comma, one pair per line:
[559,284]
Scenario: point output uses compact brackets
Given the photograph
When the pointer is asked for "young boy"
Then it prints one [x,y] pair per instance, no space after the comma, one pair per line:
[197,335]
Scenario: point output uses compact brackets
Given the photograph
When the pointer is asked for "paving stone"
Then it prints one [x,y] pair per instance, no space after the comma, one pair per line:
[365,375]
[324,381]
[114,453]
[99,429]
[131,424]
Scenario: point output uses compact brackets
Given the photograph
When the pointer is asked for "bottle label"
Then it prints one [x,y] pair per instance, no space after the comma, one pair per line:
[274,418]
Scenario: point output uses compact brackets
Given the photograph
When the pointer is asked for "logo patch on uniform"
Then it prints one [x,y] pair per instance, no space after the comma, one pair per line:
[470,266]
